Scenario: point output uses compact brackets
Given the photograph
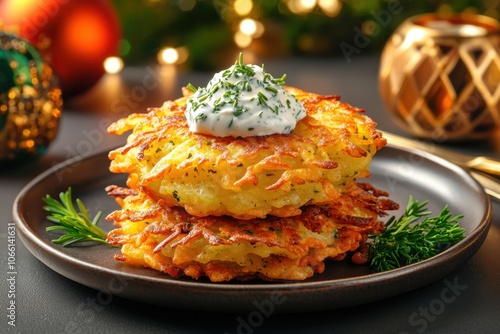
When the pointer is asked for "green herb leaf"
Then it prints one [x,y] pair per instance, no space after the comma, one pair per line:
[191,87]
[75,225]
[407,240]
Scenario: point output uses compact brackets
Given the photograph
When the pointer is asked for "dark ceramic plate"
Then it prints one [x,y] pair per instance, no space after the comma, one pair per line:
[402,172]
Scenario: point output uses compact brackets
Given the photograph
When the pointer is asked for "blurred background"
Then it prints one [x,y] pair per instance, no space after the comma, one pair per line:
[78,37]
[270,28]
[58,50]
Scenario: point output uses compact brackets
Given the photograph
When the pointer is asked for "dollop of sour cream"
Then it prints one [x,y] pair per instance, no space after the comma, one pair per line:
[243,101]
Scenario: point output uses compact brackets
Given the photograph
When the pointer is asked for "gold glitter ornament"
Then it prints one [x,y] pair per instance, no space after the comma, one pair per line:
[30,101]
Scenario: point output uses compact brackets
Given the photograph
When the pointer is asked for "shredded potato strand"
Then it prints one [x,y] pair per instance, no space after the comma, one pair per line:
[247,177]
[272,207]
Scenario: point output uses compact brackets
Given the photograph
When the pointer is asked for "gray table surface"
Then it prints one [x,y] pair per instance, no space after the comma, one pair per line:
[46,301]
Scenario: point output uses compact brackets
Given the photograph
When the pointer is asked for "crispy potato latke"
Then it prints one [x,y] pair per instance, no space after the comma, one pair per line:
[251,177]
[171,240]
[272,207]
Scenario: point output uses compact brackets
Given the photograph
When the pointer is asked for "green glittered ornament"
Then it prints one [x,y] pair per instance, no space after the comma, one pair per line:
[30,101]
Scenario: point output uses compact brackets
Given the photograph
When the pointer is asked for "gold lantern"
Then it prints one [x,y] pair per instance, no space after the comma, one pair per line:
[440,76]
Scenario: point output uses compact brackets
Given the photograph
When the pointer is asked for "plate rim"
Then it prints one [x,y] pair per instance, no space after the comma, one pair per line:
[36,244]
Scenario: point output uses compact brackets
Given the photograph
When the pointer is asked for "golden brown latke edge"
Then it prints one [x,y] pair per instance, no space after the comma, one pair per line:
[159,121]
[353,232]
[156,122]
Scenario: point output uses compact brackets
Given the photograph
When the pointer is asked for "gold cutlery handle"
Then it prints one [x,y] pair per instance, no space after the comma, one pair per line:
[491,185]
[481,168]
[485,164]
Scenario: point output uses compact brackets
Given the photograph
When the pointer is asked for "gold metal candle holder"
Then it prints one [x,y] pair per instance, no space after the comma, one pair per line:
[440,76]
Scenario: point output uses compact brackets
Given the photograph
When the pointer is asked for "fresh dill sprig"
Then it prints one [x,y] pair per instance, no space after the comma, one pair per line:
[406,240]
[77,225]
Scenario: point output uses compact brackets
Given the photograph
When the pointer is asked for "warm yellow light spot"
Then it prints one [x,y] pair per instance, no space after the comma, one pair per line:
[301,6]
[17,10]
[242,40]
[183,54]
[113,65]
[30,143]
[21,120]
[414,36]
[248,27]
[259,29]
[330,7]
[56,113]
[243,7]
[168,55]
[370,27]
[307,5]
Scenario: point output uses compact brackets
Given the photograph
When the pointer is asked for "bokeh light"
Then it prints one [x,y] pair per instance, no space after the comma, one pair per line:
[113,65]
[242,40]
[248,27]
[173,56]
[330,7]
[243,7]
[168,55]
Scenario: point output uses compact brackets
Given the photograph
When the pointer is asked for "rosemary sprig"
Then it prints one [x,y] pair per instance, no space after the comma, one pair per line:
[406,240]
[77,225]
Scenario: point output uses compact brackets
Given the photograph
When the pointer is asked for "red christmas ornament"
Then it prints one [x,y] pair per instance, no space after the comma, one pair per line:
[74,36]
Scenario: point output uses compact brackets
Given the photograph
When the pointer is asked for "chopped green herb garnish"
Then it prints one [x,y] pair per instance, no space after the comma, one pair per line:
[191,88]
[239,92]
[176,196]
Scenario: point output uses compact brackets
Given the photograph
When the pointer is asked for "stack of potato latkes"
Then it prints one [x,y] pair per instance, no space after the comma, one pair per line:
[272,207]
